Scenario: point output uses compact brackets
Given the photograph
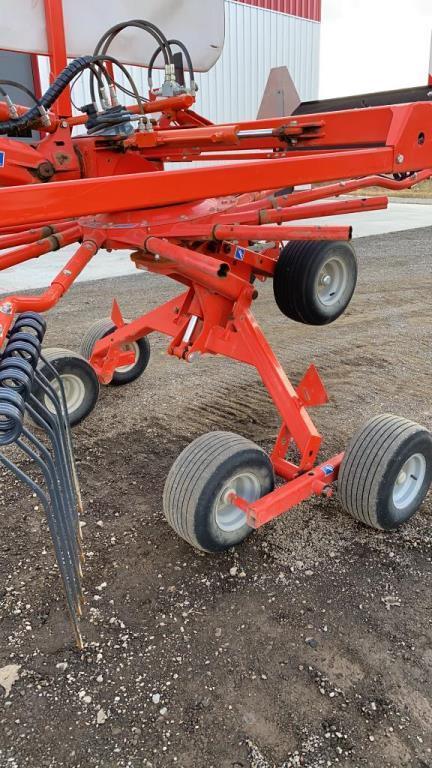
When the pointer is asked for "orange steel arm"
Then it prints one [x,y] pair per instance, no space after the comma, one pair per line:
[62,282]
[397,134]
[142,190]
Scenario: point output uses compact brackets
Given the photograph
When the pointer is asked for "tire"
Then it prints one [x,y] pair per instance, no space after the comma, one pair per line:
[201,475]
[386,472]
[79,380]
[124,374]
[314,281]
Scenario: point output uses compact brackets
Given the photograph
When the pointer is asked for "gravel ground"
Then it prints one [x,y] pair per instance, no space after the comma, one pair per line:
[310,645]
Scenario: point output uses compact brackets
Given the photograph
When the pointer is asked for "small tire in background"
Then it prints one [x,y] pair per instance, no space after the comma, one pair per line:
[125,374]
[386,471]
[195,495]
[314,280]
[80,383]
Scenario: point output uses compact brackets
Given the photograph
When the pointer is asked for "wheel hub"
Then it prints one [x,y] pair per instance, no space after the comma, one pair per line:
[409,481]
[332,281]
[74,390]
[229,517]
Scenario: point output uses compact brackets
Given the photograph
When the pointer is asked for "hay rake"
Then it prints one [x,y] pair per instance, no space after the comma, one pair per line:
[218,231]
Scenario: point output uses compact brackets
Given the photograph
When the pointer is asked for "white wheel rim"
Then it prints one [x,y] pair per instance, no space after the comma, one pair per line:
[74,390]
[230,518]
[130,347]
[332,281]
[409,481]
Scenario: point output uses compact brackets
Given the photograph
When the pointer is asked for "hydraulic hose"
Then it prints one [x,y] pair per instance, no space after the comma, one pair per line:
[20,87]
[186,54]
[99,59]
[106,39]
[14,126]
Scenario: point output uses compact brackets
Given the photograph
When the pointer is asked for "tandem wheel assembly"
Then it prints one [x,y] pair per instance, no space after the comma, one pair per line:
[384,477]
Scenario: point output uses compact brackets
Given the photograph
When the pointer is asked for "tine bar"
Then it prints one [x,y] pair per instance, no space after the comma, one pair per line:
[53,457]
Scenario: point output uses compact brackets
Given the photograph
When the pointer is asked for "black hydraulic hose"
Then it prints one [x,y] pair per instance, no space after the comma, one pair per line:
[98,59]
[14,126]
[146,26]
[186,54]
[19,86]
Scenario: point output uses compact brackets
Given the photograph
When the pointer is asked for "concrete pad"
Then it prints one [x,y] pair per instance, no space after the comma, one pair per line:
[39,272]
[397,217]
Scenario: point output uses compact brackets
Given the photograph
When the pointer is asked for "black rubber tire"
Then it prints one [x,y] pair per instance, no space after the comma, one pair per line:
[65,361]
[104,327]
[371,466]
[296,275]
[196,479]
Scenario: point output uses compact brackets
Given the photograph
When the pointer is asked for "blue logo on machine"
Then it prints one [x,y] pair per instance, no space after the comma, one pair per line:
[2,159]
[239,254]
[328,469]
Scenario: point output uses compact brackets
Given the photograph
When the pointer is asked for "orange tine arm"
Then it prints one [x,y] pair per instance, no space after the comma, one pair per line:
[32,235]
[325,209]
[293,213]
[61,283]
[33,250]
[256,219]
[333,190]
[227,232]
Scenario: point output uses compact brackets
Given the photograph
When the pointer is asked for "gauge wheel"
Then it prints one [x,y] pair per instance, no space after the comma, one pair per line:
[386,472]
[196,495]
[314,280]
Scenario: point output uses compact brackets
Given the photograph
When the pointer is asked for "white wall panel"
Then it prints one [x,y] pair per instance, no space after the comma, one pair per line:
[255,40]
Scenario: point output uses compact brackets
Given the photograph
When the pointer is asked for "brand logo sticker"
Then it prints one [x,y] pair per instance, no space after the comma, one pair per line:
[2,159]
[328,469]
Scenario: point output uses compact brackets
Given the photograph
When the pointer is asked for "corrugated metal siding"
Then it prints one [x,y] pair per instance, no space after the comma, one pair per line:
[307,9]
[256,40]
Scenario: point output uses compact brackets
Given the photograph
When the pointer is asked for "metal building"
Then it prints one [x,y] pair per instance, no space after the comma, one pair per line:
[259,35]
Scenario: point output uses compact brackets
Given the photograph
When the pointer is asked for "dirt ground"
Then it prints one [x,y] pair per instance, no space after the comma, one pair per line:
[311,644]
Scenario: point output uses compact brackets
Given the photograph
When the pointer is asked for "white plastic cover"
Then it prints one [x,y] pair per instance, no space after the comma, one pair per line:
[199,24]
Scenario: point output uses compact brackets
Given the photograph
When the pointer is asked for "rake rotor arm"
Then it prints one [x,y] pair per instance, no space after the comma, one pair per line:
[242,233]
[334,190]
[59,237]
[33,235]
[11,305]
